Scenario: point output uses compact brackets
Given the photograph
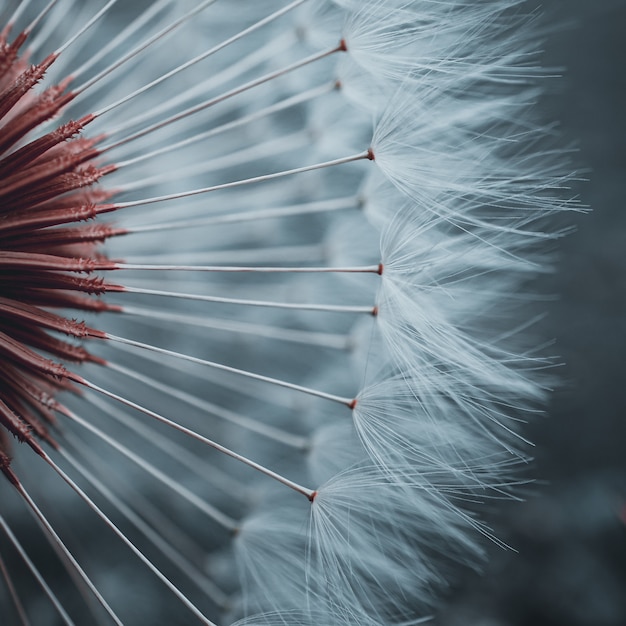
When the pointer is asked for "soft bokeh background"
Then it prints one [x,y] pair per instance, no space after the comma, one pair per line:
[570,568]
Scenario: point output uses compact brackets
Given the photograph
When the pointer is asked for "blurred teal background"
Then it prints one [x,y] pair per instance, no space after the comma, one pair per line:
[570,533]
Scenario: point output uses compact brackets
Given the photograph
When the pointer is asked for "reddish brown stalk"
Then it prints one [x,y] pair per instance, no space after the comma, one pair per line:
[42,171]
[38,284]
[5,458]
[45,107]
[46,191]
[28,315]
[58,185]
[27,261]
[66,300]
[9,52]
[17,426]
[38,147]
[33,423]
[32,392]
[24,82]
[42,341]
[50,214]
[63,236]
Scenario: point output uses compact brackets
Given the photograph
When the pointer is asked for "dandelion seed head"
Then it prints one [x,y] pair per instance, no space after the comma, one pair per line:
[264,303]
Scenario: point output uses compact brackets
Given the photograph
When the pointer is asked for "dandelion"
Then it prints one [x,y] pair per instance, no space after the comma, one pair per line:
[265,306]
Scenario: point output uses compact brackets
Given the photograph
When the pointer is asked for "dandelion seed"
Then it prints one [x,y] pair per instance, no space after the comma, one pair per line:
[258,353]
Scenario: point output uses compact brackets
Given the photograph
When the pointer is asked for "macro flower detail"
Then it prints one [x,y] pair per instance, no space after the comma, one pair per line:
[265,303]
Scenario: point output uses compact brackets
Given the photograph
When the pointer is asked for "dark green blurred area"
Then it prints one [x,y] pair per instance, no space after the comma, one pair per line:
[570,534]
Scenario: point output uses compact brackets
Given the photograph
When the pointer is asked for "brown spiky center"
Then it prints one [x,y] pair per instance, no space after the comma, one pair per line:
[47,251]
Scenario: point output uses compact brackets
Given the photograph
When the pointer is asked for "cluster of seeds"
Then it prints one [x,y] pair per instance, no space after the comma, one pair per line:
[266,299]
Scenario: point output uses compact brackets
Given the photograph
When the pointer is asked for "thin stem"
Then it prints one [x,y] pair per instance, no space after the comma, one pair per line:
[92,505]
[283,255]
[274,434]
[312,338]
[53,24]
[17,603]
[194,435]
[217,516]
[29,29]
[184,565]
[246,181]
[221,98]
[143,18]
[19,10]
[193,463]
[349,402]
[38,577]
[366,269]
[256,58]
[146,44]
[60,547]
[295,210]
[241,121]
[169,529]
[326,308]
[86,27]
[213,377]
[297,141]
[198,58]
